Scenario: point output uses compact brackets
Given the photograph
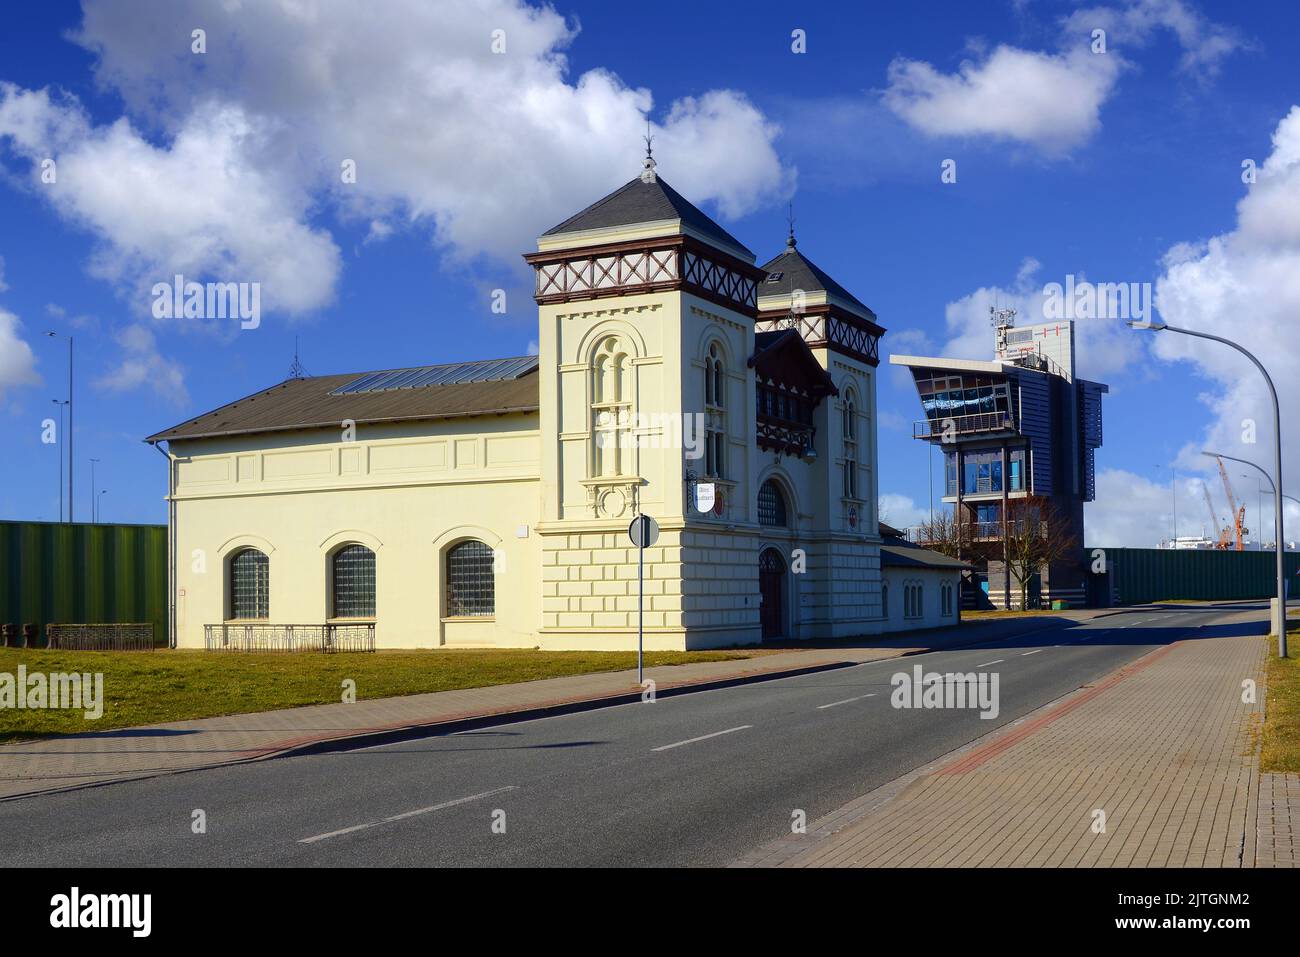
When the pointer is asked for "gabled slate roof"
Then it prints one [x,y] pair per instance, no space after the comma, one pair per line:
[782,356]
[640,201]
[319,401]
[897,552]
[793,270]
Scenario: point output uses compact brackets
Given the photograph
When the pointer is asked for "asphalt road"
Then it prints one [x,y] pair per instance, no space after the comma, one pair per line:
[695,779]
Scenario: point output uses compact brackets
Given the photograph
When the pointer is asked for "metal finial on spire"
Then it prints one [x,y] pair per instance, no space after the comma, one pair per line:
[648,174]
[790,241]
[296,371]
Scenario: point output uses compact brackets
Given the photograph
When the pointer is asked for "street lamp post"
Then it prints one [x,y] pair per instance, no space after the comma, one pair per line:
[60,403]
[94,498]
[1279,613]
[56,335]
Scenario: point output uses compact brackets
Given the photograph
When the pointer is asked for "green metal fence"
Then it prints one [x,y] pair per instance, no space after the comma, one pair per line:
[1139,575]
[64,573]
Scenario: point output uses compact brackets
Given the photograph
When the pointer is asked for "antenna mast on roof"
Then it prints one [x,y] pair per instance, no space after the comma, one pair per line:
[296,371]
[1002,320]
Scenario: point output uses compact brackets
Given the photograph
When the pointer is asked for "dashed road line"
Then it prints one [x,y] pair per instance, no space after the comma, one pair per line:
[403,816]
[823,707]
[703,737]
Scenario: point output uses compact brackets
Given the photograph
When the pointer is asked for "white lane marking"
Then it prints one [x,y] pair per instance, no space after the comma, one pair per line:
[995,661]
[822,707]
[703,737]
[1034,652]
[406,814]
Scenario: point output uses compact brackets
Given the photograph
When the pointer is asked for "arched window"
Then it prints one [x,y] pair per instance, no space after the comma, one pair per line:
[771,505]
[715,382]
[471,586]
[352,582]
[250,585]
[850,429]
[912,598]
[715,425]
[611,407]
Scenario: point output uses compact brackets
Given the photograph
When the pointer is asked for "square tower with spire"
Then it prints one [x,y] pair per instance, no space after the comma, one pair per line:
[732,403]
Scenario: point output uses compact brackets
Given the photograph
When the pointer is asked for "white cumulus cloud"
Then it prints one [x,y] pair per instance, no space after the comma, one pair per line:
[17,361]
[1245,285]
[484,150]
[1052,100]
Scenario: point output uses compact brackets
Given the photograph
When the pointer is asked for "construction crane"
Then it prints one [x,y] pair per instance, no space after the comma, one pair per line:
[1238,512]
[1222,531]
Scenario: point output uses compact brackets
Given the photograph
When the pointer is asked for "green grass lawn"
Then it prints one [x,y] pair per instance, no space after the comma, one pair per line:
[1280,749]
[143,687]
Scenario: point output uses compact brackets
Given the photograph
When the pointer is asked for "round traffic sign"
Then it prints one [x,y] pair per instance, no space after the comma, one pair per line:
[644,531]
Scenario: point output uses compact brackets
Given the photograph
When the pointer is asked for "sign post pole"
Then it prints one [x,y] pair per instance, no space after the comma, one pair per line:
[644,532]
[640,611]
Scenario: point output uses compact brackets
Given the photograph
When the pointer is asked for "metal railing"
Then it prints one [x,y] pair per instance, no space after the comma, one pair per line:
[256,636]
[964,424]
[133,636]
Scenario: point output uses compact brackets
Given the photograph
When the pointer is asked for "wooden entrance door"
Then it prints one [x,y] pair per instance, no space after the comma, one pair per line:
[771,577]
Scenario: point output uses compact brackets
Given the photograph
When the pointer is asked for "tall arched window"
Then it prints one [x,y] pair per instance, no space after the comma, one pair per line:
[771,505]
[715,382]
[611,407]
[471,586]
[912,600]
[250,585]
[850,429]
[352,582]
[715,425]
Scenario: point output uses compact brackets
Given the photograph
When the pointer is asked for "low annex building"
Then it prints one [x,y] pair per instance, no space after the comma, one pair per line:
[481,504]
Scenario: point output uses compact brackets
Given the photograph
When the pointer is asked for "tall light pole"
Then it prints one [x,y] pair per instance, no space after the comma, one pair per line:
[1279,613]
[56,335]
[93,497]
[60,403]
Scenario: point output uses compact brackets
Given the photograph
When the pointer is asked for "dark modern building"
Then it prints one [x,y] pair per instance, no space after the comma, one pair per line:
[1018,435]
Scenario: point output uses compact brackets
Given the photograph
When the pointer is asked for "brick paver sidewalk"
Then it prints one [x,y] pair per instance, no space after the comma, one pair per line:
[1163,747]
[70,761]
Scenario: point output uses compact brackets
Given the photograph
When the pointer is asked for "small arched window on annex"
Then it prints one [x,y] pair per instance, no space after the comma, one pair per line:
[773,506]
[470,580]
[248,584]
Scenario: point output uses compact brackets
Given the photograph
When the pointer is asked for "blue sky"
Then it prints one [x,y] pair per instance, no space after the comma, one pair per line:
[1115,166]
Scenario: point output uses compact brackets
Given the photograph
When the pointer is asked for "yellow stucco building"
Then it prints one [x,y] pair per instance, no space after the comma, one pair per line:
[487,503]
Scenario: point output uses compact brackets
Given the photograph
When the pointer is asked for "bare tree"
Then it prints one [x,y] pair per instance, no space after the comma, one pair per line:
[1037,535]
[945,534]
